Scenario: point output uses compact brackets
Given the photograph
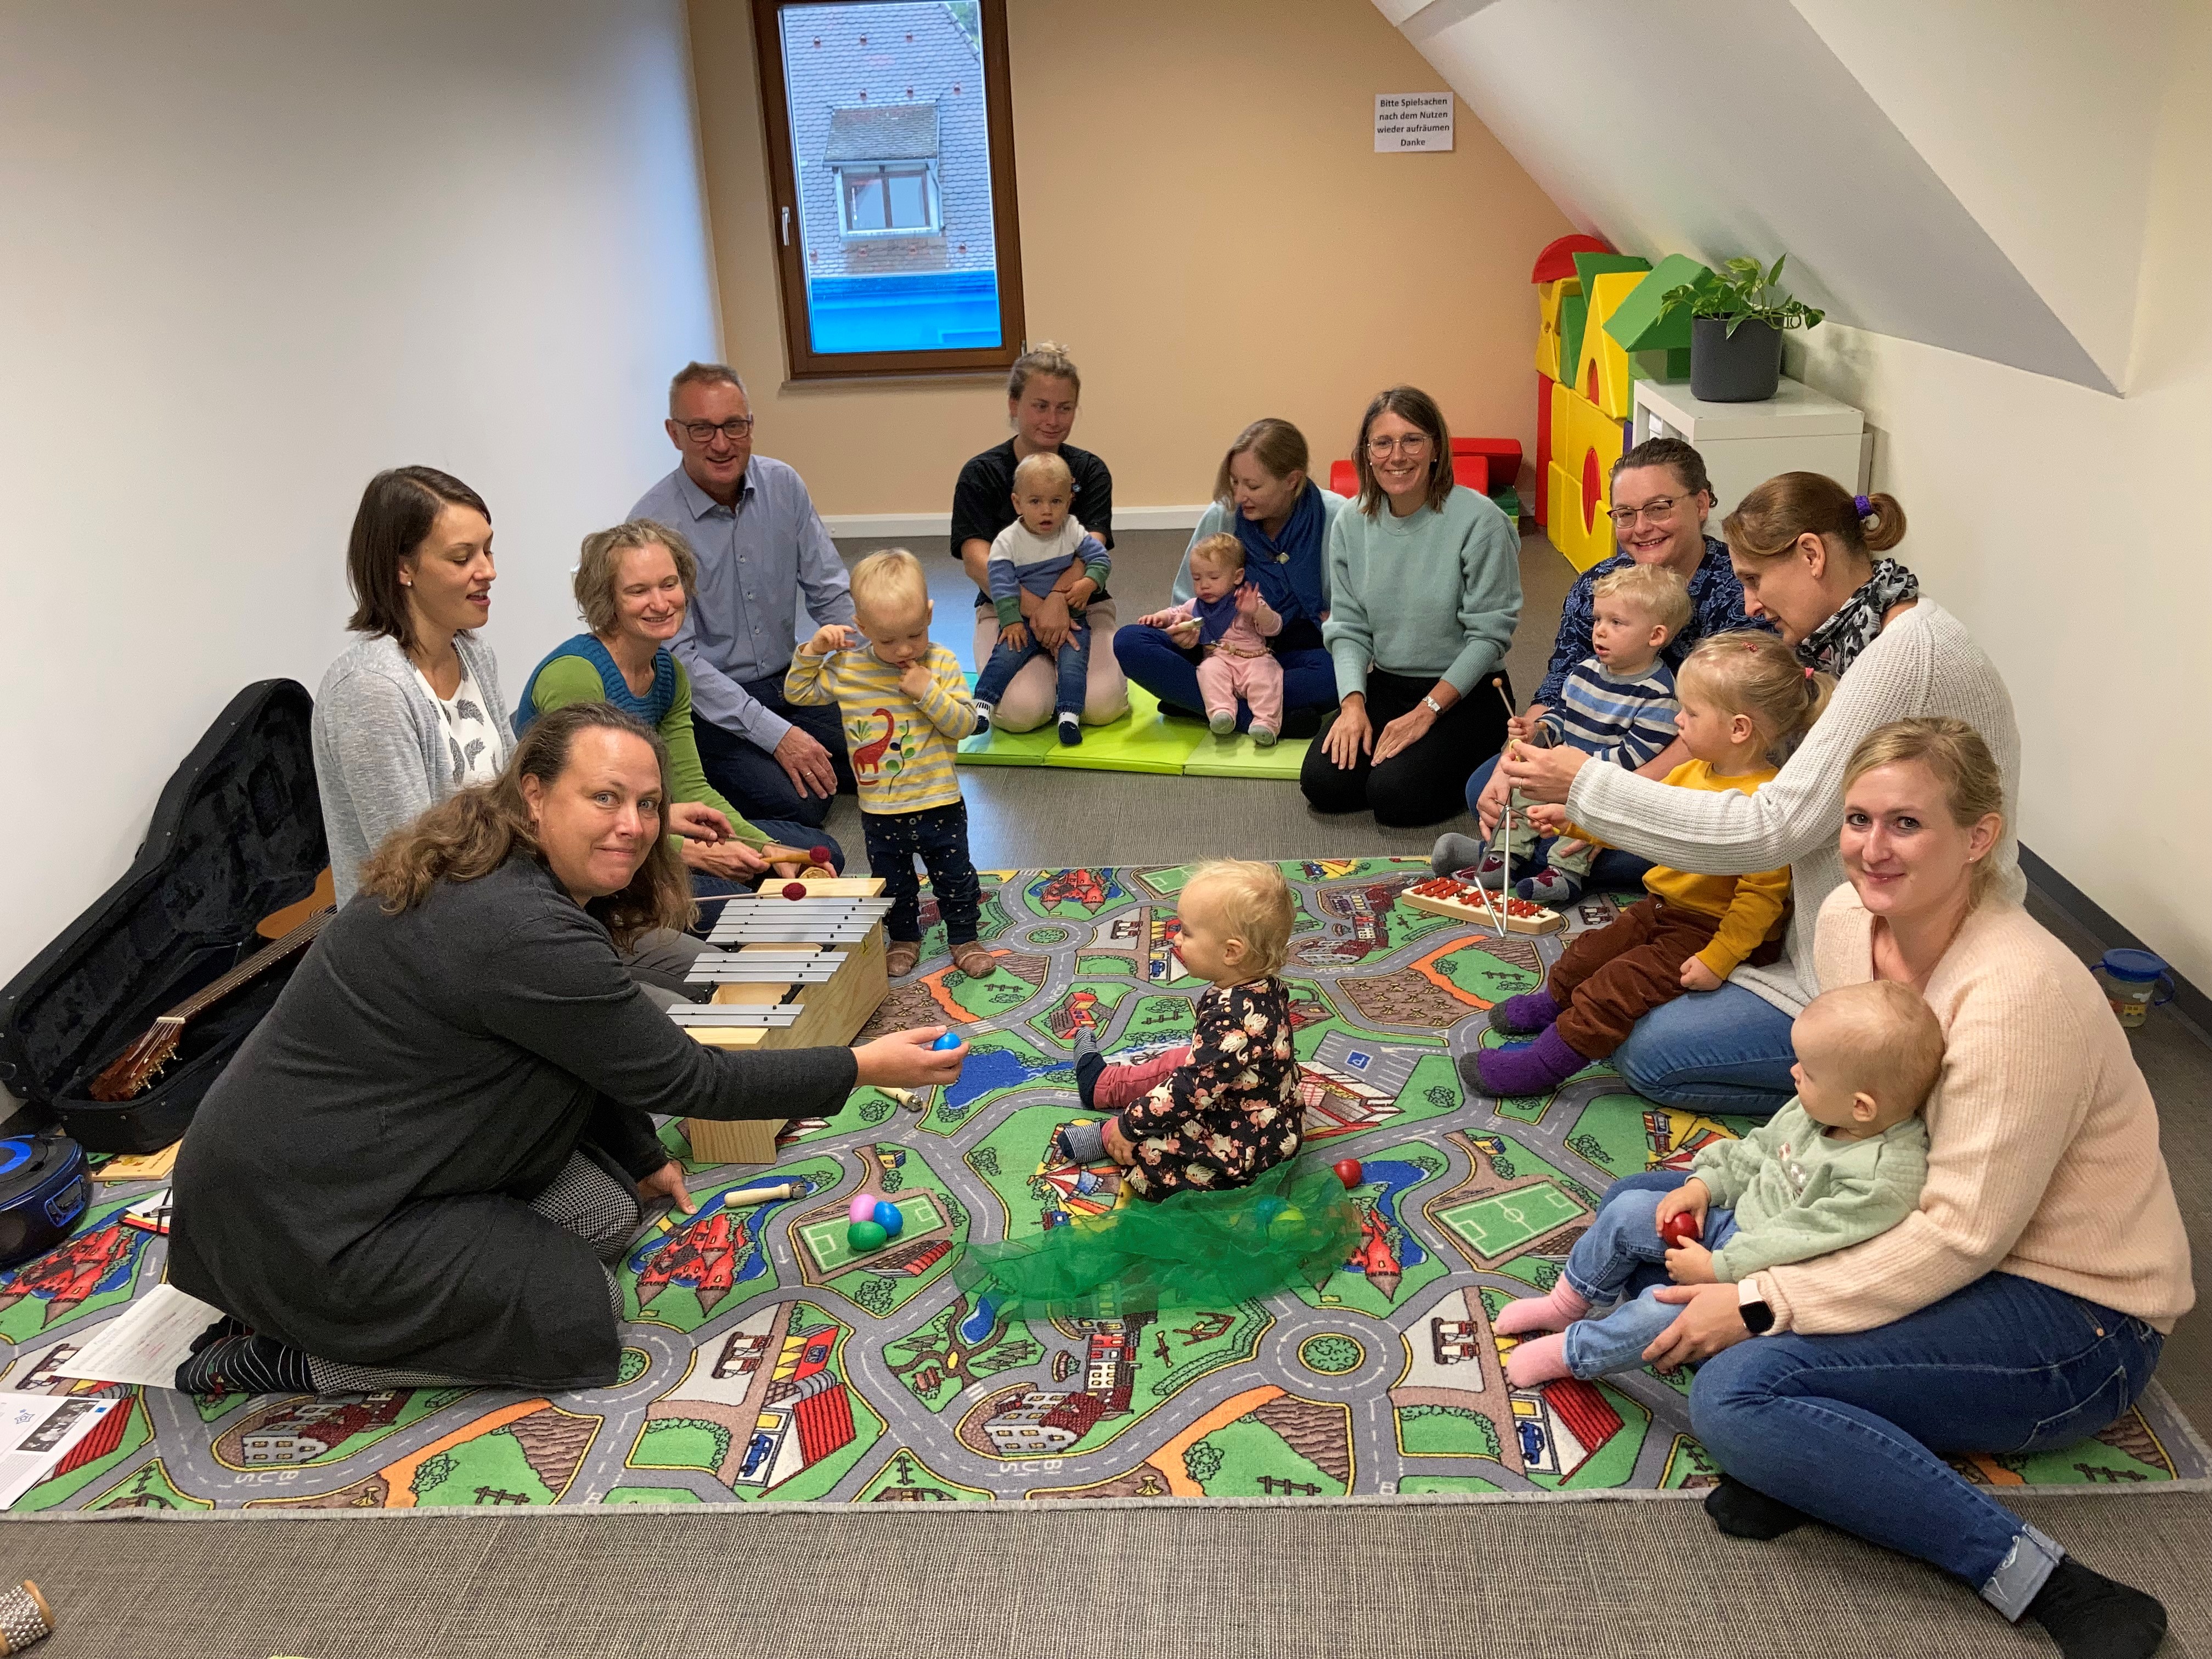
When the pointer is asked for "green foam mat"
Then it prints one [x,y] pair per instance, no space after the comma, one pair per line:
[1143,740]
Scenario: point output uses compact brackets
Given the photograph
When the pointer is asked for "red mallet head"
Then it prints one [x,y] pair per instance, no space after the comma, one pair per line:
[1350,1173]
[794,890]
[822,855]
[1682,1227]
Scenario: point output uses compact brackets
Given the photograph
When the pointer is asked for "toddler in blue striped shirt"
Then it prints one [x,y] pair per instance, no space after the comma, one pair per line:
[1617,706]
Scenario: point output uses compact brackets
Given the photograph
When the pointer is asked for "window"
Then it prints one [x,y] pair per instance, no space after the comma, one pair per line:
[891,155]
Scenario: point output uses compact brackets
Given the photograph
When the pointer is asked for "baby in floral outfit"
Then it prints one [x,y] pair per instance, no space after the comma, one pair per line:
[1216,1113]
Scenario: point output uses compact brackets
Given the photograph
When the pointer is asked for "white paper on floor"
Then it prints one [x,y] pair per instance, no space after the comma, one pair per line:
[146,1342]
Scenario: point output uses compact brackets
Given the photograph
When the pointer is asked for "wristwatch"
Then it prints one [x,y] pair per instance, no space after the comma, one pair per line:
[1432,705]
[1751,1304]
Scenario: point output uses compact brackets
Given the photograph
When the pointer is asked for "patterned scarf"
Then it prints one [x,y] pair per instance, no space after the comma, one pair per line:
[1835,645]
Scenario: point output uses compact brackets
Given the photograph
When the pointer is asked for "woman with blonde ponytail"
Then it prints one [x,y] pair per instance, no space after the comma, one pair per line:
[1810,554]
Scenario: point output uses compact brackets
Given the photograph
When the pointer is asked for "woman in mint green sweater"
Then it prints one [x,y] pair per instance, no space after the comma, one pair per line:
[1424,580]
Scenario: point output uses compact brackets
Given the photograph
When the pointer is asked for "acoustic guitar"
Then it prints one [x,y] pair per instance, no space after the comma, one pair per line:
[294,929]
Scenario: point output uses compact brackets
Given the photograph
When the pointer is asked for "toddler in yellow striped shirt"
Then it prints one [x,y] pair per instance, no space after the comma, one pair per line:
[905,704]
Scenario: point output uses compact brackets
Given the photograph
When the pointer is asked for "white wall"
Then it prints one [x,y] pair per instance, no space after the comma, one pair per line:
[252,251]
[2069,530]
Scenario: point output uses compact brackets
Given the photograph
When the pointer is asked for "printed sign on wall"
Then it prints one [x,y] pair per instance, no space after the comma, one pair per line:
[1413,120]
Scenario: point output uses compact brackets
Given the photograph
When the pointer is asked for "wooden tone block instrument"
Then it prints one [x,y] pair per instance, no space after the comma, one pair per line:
[802,973]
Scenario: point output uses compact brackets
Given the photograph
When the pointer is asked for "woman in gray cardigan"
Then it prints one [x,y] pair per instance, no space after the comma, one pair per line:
[416,1167]
[413,712]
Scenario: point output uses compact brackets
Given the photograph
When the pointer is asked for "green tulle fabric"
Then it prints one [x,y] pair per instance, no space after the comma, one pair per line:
[1293,1225]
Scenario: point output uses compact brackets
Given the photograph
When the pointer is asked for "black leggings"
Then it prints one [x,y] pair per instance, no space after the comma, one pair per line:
[1424,784]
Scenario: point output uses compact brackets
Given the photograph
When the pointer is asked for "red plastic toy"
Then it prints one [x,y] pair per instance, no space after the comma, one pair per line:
[1682,1227]
[794,890]
[1349,1172]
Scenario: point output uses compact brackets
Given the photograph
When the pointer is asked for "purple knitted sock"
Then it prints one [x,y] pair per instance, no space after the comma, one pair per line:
[1524,1015]
[1527,1069]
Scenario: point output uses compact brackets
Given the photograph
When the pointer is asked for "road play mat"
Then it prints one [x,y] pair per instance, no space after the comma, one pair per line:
[1142,740]
[763,1361]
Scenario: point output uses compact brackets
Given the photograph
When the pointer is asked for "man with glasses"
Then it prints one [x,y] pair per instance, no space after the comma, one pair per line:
[761,546]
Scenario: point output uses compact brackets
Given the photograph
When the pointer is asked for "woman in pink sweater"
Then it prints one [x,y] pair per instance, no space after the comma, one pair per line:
[2022,1307]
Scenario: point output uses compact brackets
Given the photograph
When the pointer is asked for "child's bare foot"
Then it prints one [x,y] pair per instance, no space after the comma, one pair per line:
[899,957]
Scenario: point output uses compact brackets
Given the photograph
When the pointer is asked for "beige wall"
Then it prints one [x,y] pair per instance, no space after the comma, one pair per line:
[1205,223]
[2068,528]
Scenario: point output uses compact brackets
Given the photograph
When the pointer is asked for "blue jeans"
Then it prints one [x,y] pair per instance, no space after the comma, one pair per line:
[1623,1245]
[1072,661]
[1852,1430]
[1149,658]
[1724,1051]
[1612,871]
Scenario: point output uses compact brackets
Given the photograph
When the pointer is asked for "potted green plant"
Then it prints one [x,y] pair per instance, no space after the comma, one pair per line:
[1736,318]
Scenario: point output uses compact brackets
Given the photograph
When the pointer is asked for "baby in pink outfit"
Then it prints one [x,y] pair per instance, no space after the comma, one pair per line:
[1229,619]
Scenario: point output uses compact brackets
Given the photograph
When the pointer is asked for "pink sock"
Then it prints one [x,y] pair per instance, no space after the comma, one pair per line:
[1554,1312]
[1539,1359]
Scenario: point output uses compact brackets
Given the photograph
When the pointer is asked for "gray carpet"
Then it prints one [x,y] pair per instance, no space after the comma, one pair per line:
[1412,1579]
[1642,1580]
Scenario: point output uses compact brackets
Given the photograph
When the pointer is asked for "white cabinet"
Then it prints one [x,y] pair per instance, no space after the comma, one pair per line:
[1797,430]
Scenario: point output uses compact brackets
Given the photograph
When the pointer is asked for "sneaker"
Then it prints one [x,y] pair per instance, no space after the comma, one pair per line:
[1071,730]
[1263,737]
[982,717]
[1221,722]
[1552,887]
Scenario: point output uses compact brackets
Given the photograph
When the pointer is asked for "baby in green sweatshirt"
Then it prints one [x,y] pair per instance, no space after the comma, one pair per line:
[1842,1162]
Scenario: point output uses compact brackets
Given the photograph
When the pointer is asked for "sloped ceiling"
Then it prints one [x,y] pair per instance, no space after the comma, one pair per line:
[1972,174]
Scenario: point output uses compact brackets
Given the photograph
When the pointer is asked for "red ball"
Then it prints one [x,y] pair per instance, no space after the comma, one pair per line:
[1350,1173]
[794,890]
[823,856]
[1682,1227]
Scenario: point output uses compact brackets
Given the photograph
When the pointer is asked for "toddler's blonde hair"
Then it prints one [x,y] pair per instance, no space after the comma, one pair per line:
[1043,468]
[1892,1042]
[1654,590]
[1221,550]
[1257,906]
[890,583]
[1752,672]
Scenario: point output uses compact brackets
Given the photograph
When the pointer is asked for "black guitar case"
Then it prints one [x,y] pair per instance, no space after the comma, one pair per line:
[237,833]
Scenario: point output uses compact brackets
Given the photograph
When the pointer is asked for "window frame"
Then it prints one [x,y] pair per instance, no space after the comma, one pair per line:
[933,200]
[787,224]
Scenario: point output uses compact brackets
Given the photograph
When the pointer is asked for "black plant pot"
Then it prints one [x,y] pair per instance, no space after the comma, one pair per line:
[1742,369]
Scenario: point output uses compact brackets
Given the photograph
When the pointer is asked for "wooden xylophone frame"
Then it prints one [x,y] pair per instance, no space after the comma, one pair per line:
[829,1011]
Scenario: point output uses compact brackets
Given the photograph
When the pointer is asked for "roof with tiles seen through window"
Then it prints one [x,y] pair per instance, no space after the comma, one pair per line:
[882,132]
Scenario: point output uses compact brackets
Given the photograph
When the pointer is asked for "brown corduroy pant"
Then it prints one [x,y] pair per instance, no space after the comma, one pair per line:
[1610,977]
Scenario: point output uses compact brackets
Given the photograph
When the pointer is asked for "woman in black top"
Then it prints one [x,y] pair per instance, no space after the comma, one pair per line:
[414,1168]
[1041,393]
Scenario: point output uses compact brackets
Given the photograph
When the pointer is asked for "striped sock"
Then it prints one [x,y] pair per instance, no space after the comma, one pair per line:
[245,1365]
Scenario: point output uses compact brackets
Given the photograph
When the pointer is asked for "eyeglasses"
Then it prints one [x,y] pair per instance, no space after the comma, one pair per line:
[702,432]
[1411,444]
[1658,511]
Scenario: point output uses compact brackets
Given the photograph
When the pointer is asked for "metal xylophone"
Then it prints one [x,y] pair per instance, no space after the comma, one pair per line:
[791,973]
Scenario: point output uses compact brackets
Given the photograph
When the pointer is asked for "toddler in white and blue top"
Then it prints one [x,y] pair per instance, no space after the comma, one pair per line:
[1617,706]
[1029,558]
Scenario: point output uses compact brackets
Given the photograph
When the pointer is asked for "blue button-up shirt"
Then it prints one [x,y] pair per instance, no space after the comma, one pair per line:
[754,563]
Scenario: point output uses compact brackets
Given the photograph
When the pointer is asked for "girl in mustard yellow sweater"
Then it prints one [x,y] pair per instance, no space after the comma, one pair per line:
[1745,704]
